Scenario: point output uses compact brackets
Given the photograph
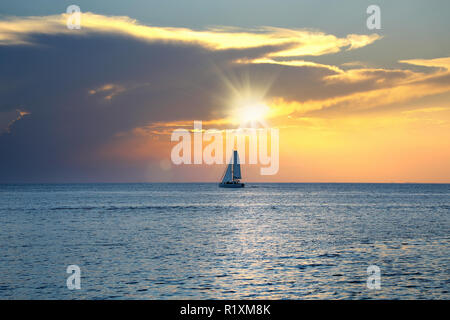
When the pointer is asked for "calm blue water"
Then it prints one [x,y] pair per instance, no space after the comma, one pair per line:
[181,241]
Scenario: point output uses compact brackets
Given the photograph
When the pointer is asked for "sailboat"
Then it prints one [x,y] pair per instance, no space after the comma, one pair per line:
[232,175]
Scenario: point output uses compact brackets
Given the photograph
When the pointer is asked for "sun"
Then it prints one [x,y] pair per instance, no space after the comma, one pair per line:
[251,114]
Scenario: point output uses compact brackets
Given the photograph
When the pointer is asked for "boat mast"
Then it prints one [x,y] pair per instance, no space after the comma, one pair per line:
[232,170]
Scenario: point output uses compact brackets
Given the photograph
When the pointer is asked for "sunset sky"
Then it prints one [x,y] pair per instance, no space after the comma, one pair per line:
[99,104]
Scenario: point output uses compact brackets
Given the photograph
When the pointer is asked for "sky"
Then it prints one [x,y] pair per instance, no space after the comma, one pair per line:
[100,104]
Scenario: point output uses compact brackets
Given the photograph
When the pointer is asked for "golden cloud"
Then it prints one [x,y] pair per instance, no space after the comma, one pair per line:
[299,42]
[109,90]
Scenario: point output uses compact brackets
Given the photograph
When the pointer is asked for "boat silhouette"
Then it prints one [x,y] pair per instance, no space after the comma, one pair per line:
[232,175]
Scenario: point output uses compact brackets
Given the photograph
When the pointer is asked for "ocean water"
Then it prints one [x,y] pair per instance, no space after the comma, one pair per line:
[197,241]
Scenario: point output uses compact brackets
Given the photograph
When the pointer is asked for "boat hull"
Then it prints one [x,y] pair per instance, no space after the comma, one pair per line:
[231,185]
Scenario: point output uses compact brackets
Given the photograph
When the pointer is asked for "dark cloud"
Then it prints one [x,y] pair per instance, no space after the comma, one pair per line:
[52,80]
[62,81]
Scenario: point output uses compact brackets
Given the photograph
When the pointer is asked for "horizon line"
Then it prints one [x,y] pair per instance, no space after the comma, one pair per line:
[209,182]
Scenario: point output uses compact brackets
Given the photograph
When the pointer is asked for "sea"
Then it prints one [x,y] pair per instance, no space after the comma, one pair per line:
[199,241]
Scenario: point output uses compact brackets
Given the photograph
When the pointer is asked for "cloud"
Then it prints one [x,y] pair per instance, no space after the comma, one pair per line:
[8,118]
[427,110]
[292,42]
[152,79]
[364,89]
[109,90]
[443,63]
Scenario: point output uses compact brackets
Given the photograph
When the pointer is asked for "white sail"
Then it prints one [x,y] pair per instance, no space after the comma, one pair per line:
[227,176]
[236,166]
